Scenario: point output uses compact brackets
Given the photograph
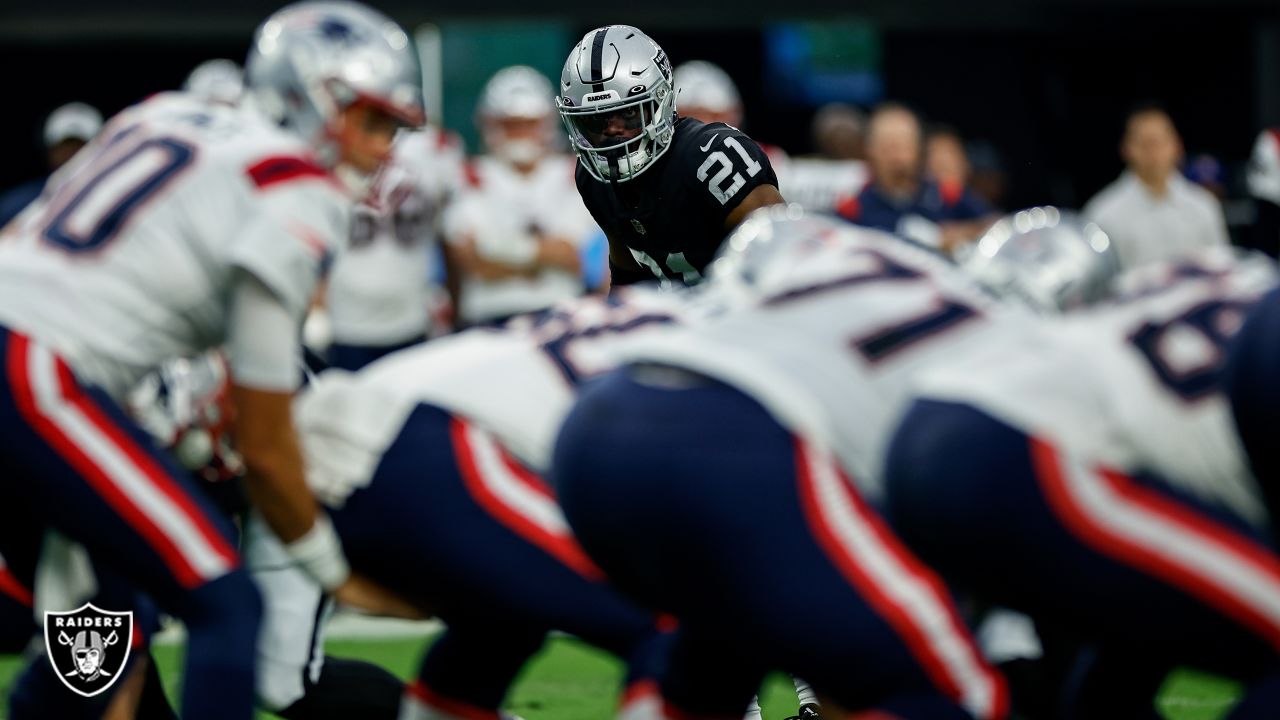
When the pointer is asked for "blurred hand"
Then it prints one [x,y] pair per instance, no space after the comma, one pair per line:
[364,594]
[558,253]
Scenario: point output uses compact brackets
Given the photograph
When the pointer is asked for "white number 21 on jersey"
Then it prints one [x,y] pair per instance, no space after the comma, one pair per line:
[716,182]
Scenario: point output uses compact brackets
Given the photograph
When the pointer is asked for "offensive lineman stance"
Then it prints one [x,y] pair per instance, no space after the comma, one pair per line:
[712,478]
[430,463]
[1089,474]
[181,227]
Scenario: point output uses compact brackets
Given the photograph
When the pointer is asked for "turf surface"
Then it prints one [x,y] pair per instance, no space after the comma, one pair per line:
[572,681]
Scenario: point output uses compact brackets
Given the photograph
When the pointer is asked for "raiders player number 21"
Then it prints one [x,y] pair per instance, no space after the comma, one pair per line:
[665,189]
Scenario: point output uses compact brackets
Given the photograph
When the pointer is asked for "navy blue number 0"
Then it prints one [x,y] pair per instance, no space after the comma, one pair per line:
[175,156]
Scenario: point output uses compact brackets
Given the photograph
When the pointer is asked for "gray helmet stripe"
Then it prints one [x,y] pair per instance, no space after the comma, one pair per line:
[597,60]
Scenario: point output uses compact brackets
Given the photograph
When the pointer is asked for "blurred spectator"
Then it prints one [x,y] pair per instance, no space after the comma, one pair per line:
[821,181]
[519,237]
[66,130]
[839,132]
[218,81]
[1206,171]
[382,289]
[1263,180]
[945,161]
[900,199]
[1151,212]
[987,180]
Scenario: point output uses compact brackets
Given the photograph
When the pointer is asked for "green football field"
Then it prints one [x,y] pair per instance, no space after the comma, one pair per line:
[571,681]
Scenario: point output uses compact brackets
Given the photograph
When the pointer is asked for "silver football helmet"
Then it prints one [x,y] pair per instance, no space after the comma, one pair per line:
[1048,259]
[517,93]
[707,93]
[312,59]
[617,103]
[761,256]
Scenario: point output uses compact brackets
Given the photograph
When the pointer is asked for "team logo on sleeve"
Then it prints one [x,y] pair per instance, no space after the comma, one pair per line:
[88,647]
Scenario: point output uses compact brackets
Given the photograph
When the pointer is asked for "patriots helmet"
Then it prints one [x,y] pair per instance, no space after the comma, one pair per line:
[313,59]
[617,103]
[1048,259]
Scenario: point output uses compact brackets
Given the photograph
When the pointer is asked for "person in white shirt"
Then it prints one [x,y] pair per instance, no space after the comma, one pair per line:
[520,238]
[1151,212]
[382,291]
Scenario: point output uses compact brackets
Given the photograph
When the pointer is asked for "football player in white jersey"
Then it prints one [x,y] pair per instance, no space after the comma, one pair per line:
[1088,472]
[430,461]
[184,226]
[380,292]
[520,237]
[731,474]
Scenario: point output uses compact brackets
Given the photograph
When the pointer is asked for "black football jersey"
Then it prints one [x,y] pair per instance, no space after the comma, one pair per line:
[672,215]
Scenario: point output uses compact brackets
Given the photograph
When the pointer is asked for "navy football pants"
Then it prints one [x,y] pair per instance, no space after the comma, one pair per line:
[698,503]
[74,461]
[1138,577]
[456,525]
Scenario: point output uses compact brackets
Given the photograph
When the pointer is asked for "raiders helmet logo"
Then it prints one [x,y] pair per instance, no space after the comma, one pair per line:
[88,647]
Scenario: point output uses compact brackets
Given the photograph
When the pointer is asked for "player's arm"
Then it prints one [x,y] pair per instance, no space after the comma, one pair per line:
[263,353]
[762,196]
[735,174]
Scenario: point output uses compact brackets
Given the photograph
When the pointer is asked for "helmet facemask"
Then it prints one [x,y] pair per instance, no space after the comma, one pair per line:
[652,112]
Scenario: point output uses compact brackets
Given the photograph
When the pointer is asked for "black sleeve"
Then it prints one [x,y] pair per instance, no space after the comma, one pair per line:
[724,165]
[587,191]
[621,276]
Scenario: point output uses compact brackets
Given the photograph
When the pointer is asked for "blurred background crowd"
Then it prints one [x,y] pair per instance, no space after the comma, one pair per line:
[926,118]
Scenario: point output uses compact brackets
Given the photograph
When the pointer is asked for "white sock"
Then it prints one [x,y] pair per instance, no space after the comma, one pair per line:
[804,692]
[753,710]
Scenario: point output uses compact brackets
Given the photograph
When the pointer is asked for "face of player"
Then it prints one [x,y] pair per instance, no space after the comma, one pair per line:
[606,129]
[1151,146]
[519,141]
[62,152]
[365,134]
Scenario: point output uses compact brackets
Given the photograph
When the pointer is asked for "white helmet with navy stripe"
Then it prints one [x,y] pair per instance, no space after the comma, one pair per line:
[616,100]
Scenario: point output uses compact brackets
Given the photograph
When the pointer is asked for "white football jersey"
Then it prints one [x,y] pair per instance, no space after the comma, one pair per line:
[517,381]
[379,290]
[503,210]
[126,259]
[1134,383]
[830,344]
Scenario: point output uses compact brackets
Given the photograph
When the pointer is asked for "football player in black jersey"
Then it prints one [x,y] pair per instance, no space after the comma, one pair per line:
[665,189]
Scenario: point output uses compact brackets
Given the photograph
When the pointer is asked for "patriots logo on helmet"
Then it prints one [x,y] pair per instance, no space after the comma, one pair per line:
[335,30]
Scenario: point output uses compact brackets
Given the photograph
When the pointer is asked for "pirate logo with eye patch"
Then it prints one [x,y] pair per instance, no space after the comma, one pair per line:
[88,647]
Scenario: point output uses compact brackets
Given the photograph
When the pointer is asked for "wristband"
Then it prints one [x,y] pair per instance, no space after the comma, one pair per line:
[319,552]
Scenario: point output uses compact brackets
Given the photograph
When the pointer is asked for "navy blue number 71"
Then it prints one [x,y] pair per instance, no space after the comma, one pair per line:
[102,204]
[889,340]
